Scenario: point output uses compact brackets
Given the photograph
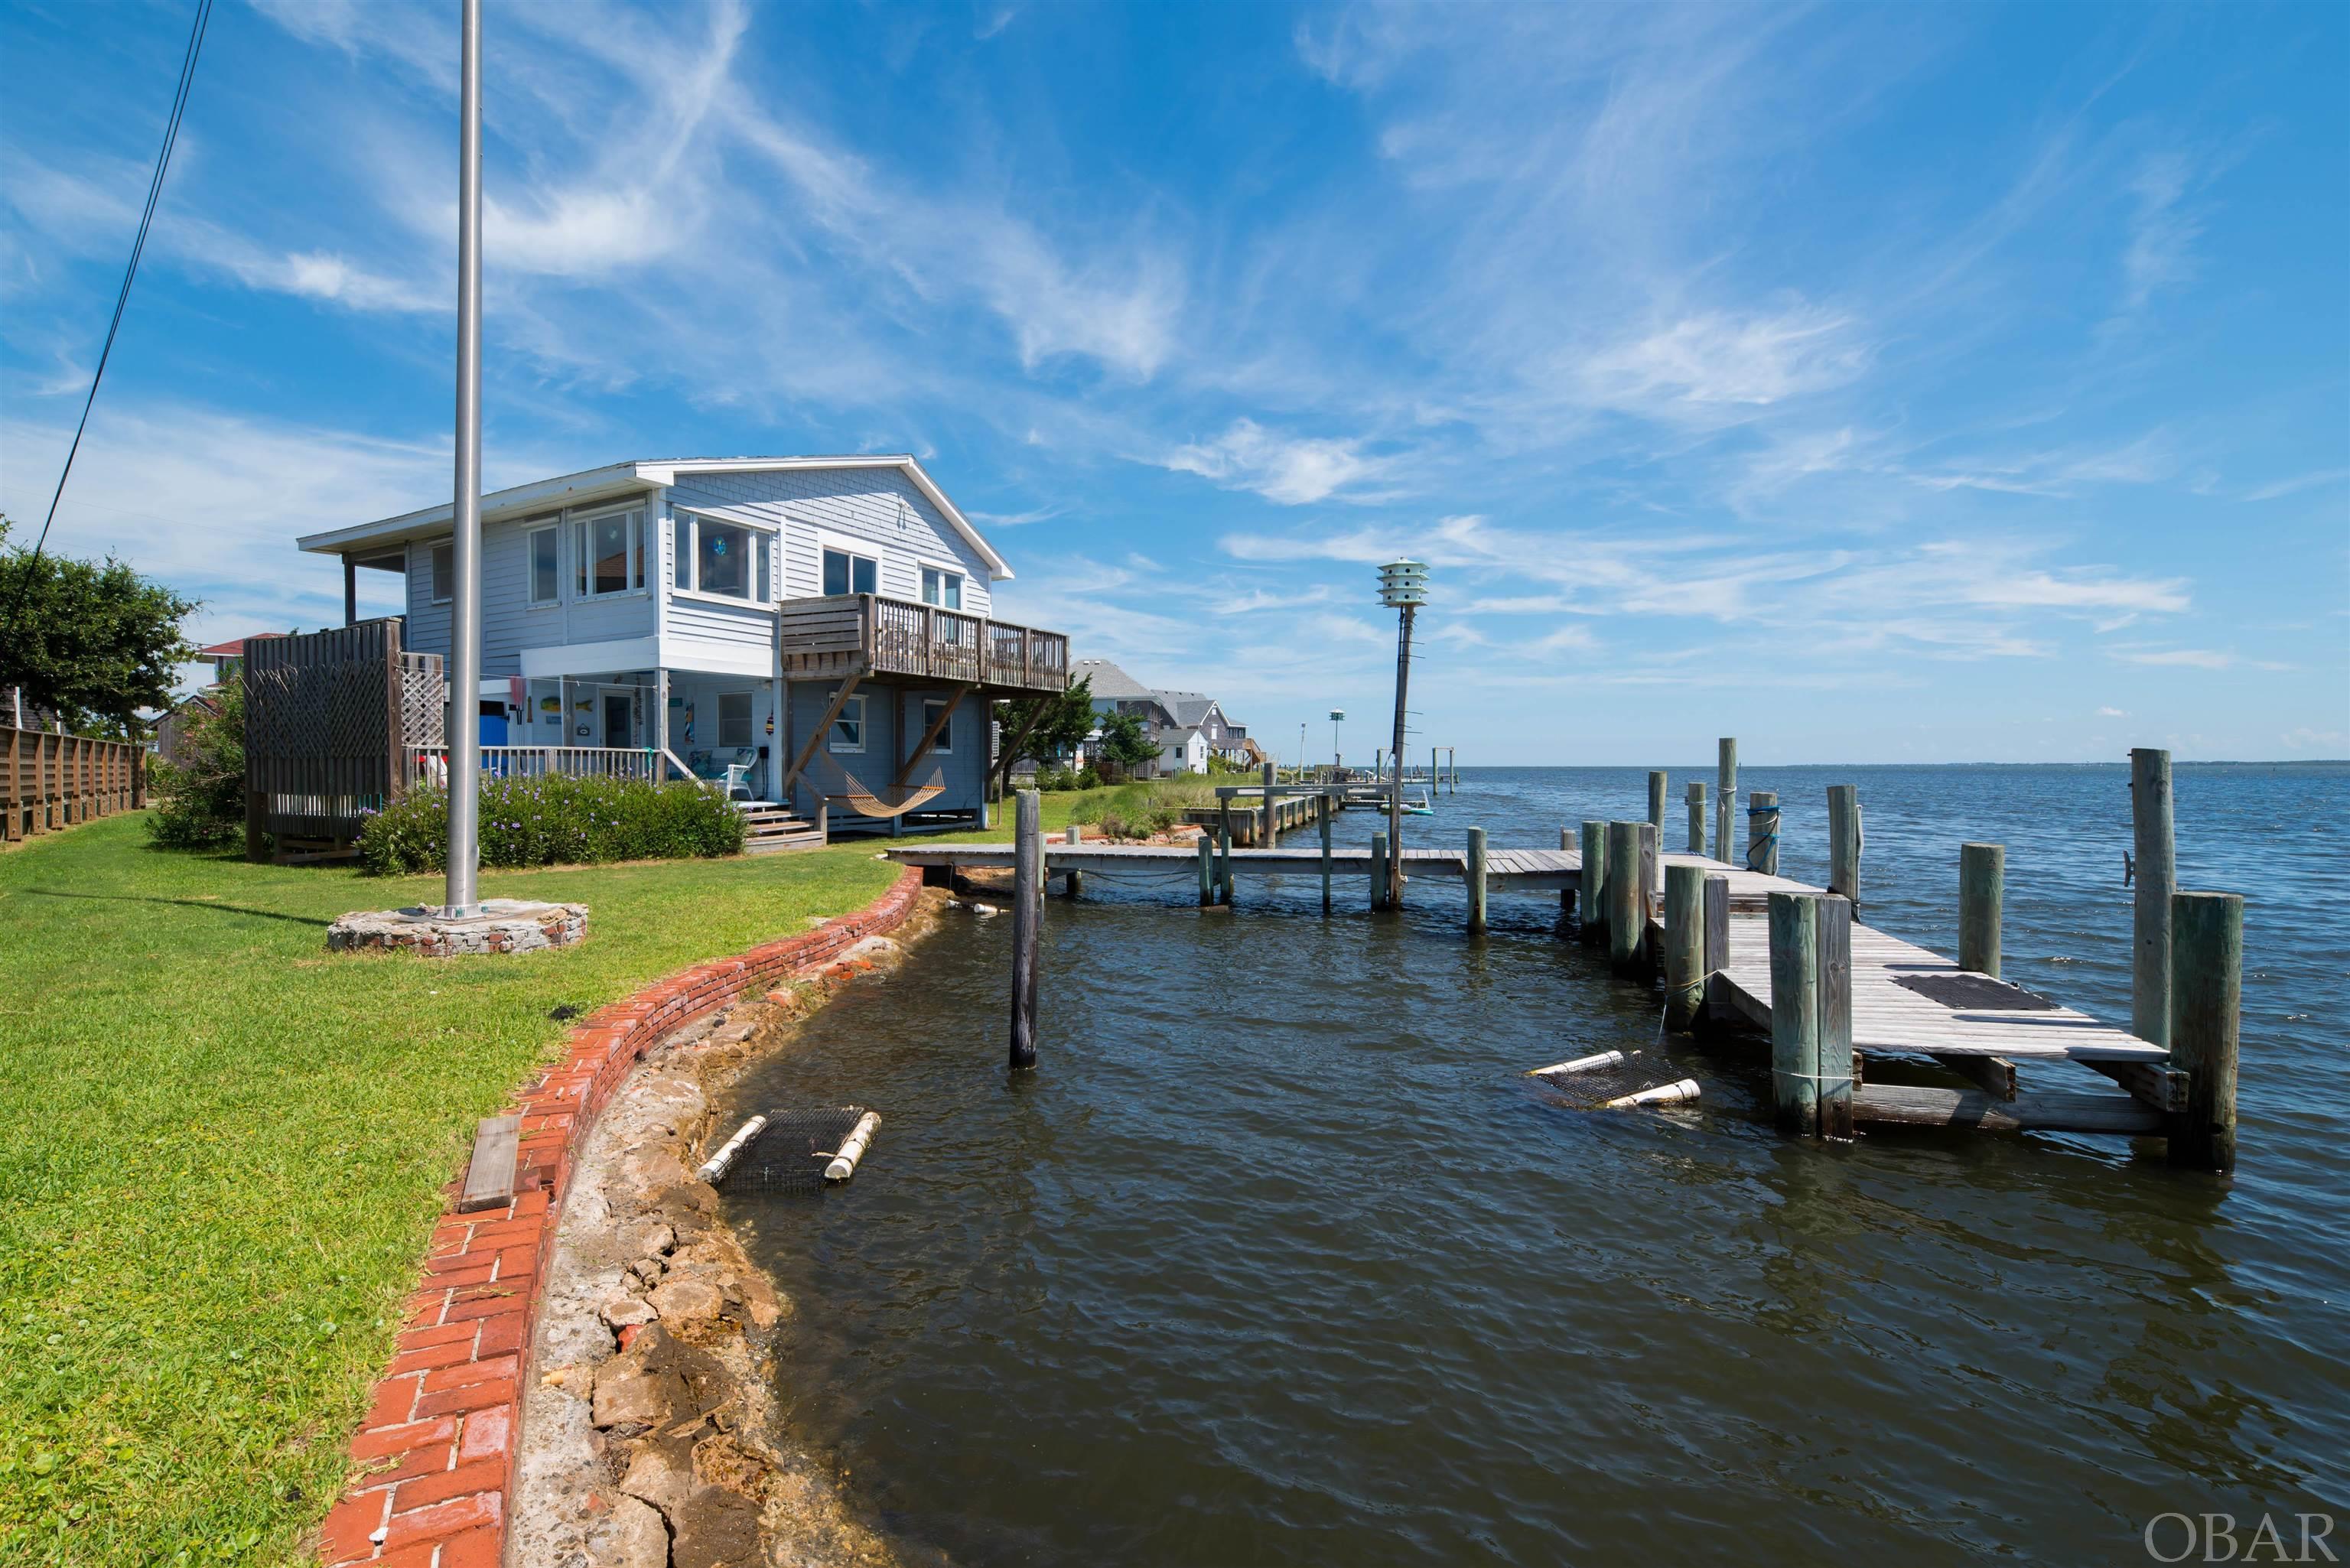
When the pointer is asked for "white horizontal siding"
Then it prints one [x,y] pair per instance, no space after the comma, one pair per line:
[878,508]
[510,623]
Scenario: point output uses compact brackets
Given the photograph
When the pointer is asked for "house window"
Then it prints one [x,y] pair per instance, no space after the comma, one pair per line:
[932,708]
[681,549]
[849,730]
[545,577]
[444,573]
[847,574]
[733,718]
[724,558]
[610,550]
[944,589]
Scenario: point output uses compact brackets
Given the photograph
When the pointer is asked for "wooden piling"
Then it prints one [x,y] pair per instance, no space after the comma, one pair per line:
[1844,841]
[1208,871]
[1716,932]
[1271,833]
[1652,888]
[1794,1013]
[1725,799]
[1696,818]
[1379,869]
[2206,995]
[1073,881]
[1326,854]
[1625,917]
[1592,884]
[1223,851]
[1657,799]
[1684,944]
[2155,879]
[1763,832]
[1027,885]
[1566,895]
[1473,871]
[1834,936]
[1982,872]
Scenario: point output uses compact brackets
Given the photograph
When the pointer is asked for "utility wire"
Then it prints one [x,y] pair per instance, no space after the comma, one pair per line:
[137,248]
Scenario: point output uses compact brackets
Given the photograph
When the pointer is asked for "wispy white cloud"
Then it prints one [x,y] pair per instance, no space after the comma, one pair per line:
[2194,659]
[2278,489]
[2163,230]
[1290,470]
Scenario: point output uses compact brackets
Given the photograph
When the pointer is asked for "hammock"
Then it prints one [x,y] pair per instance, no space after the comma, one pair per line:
[865,803]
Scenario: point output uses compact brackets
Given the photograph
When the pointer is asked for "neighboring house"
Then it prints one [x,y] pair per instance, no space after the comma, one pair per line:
[170,740]
[819,624]
[1188,727]
[227,658]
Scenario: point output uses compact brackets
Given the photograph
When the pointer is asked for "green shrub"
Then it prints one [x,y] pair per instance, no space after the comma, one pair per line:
[558,821]
[202,803]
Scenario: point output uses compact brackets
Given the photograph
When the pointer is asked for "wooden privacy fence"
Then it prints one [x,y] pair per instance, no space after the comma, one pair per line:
[333,723]
[56,780]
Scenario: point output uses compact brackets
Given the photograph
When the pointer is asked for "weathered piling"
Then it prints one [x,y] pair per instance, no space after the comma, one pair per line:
[1326,815]
[1725,799]
[1834,1002]
[1592,900]
[1982,873]
[1271,829]
[1657,799]
[1566,895]
[1844,841]
[1684,944]
[1763,832]
[1473,872]
[1717,928]
[1794,1013]
[2156,878]
[1625,917]
[1379,869]
[1027,913]
[1697,816]
[1652,884]
[2206,981]
[1207,871]
[1073,881]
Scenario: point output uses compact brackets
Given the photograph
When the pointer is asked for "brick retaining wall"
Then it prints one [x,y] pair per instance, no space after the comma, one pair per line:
[440,1437]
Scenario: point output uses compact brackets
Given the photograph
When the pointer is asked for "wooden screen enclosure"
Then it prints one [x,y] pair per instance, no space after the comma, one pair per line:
[333,721]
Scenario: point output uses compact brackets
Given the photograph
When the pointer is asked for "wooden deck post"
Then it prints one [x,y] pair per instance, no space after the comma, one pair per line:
[1982,870]
[1696,817]
[1717,933]
[1474,873]
[1794,1013]
[1379,868]
[2156,878]
[1073,881]
[1027,890]
[1326,854]
[1684,944]
[1835,1003]
[2206,993]
[1763,832]
[1207,870]
[1657,799]
[1725,800]
[1844,841]
[1626,917]
[1591,896]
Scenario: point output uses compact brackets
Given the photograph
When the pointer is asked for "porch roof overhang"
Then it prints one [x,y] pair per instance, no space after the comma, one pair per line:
[619,479]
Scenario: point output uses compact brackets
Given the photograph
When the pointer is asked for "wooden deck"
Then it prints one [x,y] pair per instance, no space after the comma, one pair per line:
[1887,1018]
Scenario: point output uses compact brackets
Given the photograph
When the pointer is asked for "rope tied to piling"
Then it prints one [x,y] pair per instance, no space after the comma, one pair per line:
[1759,846]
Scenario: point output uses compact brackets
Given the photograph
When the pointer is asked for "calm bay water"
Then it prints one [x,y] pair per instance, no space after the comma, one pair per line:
[1279,1257]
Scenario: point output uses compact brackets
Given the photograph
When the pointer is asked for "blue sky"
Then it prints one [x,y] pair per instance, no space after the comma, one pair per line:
[1891,383]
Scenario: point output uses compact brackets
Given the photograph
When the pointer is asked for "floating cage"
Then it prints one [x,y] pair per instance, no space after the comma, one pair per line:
[1616,1080]
[791,1152]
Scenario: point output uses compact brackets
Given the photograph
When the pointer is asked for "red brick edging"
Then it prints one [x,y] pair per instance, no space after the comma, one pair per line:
[440,1437]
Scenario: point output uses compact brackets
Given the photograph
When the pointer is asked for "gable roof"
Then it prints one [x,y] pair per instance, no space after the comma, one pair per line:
[621,478]
[1108,679]
[234,646]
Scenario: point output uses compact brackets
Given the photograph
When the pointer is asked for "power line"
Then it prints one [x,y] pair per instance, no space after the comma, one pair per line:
[137,248]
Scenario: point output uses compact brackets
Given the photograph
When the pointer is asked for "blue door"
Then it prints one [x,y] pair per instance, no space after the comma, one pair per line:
[494,728]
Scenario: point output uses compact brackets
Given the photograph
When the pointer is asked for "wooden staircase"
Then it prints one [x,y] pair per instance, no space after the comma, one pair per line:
[769,829]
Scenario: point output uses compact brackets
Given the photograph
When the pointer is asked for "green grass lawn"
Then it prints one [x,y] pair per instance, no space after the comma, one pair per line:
[221,1150]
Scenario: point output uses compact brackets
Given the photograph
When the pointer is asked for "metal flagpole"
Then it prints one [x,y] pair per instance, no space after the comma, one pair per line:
[466,607]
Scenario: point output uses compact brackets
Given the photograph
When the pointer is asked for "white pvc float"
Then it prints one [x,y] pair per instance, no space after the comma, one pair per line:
[852,1148]
[715,1166]
[1580,1064]
[1662,1095]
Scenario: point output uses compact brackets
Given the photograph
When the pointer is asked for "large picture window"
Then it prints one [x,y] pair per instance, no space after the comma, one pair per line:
[715,556]
[849,730]
[611,552]
[546,574]
[943,588]
[845,573]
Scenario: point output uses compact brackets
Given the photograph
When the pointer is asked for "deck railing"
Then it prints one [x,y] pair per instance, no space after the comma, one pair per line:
[541,762]
[865,634]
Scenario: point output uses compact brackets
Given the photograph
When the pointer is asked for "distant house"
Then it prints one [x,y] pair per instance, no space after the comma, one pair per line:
[227,658]
[1188,726]
[170,740]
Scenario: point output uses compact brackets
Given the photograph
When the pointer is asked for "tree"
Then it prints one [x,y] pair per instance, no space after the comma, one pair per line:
[201,803]
[95,642]
[1125,741]
[1042,727]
